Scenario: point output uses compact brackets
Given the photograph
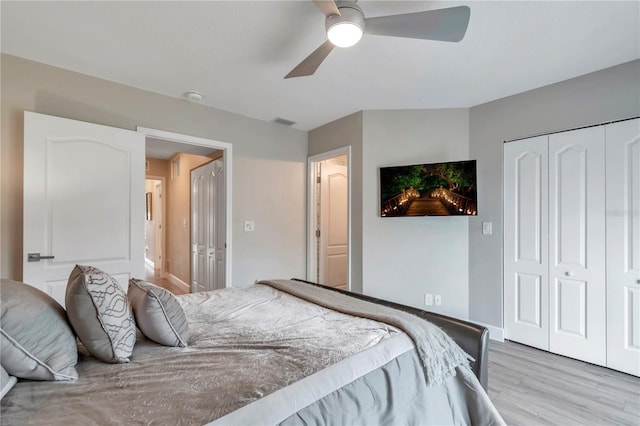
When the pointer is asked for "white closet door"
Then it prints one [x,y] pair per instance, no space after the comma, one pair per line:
[208,233]
[525,242]
[577,244]
[218,243]
[199,229]
[623,246]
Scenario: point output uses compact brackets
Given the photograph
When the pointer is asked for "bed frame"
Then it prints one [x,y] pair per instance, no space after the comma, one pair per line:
[472,338]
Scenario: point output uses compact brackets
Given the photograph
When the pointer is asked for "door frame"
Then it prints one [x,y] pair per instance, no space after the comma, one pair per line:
[312,252]
[227,161]
[163,208]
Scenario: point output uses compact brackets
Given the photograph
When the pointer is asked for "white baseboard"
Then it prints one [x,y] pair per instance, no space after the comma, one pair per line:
[177,281]
[495,333]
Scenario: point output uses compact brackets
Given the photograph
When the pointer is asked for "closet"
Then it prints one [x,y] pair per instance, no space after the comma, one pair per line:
[572,243]
[208,227]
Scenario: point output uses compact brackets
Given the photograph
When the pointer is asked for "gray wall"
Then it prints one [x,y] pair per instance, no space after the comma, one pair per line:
[404,258]
[606,95]
[346,131]
[269,161]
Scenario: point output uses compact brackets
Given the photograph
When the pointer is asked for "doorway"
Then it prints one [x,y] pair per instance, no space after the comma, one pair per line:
[153,226]
[179,168]
[329,219]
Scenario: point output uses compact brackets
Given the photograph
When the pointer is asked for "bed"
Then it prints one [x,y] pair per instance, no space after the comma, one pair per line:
[278,352]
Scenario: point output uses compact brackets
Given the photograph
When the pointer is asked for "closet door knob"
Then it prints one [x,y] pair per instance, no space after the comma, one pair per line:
[569,274]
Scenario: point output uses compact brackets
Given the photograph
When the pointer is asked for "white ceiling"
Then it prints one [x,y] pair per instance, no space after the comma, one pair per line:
[165,149]
[237,52]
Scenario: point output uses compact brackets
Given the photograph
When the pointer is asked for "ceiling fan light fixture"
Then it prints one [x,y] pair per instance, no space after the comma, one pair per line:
[344,34]
[346,29]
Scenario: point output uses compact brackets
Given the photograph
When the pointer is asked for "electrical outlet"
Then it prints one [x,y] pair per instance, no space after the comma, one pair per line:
[428,299]
[249,226]
[438,299]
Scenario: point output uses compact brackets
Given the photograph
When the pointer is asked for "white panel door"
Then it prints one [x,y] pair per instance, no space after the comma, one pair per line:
[83,201]
[199,231]
[526,286]
[577,244]
[158,219]
[623,246]
[218,237]
[334,224]
[208,233]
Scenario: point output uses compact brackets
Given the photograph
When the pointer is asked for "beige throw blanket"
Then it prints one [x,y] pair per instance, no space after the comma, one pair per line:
[439,354]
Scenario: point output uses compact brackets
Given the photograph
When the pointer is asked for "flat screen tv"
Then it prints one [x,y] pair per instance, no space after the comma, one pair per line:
[438,189]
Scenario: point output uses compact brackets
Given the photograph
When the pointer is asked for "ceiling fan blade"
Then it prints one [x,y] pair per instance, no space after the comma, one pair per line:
[311,63]
[328,7]
[448,24]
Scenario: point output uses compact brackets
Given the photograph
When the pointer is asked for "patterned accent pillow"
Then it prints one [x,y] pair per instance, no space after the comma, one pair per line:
[36,340]
[99,312]
[158,313]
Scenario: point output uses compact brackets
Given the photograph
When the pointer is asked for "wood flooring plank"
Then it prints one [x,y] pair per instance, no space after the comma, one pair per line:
[544,411]
[632,407]
[621,390]
[600,409]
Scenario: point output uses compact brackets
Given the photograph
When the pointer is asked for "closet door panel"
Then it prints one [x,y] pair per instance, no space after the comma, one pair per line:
[525,242]
[623,246]
[576,249]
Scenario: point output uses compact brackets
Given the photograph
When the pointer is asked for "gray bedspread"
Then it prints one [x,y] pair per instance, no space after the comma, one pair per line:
[244,344]
[259,355]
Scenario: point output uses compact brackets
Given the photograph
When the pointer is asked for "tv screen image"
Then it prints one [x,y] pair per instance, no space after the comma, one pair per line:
[438,189]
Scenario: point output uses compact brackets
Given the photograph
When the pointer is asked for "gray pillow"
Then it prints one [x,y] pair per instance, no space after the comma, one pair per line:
[98,310]
[6,382]
[36,340]
[158,313]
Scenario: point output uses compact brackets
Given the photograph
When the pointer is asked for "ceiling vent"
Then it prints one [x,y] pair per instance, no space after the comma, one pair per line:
[284,121]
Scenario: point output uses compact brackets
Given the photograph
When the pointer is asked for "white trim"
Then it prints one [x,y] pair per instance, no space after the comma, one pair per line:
[177,281]
[149,263]
[311,209]
[495,333]
[227,158]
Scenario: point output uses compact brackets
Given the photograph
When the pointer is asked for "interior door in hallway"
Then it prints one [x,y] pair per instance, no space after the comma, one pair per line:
[333,256]
[208,227]
[83,201]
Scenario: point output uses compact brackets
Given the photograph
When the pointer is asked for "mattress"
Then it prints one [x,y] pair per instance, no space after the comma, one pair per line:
[259,355]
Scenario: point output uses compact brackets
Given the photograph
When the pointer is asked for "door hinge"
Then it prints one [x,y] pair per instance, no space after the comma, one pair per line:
[318,233]
[318,179]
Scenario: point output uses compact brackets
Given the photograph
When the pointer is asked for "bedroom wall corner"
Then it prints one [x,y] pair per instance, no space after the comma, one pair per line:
[404,258]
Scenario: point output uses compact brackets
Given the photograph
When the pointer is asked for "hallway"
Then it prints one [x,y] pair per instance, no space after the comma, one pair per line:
[152,277]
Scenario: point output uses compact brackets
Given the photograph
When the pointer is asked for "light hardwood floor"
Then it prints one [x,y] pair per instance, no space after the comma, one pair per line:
[154,278]
[533,387]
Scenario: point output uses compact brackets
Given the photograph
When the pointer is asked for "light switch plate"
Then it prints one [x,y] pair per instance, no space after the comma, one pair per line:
[486,228]
[249,226]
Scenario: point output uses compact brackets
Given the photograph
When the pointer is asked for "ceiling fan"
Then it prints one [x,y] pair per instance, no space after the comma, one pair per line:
[345,24]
